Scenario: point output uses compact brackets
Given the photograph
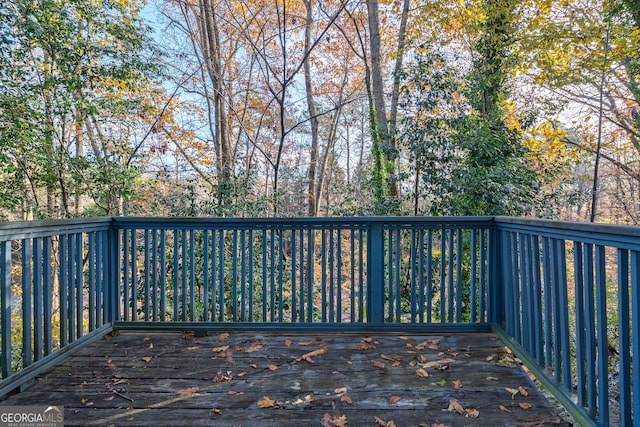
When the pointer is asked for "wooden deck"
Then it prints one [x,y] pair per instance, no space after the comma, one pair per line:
[169,379]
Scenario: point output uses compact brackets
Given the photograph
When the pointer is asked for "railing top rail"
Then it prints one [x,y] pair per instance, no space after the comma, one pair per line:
[32,229]
[199,222]
[625,236]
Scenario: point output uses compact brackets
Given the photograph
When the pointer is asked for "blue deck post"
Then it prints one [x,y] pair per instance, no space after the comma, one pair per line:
[375,274]
[495,304]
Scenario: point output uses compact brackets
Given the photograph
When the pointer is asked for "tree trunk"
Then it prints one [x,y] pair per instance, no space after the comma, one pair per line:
[312,208]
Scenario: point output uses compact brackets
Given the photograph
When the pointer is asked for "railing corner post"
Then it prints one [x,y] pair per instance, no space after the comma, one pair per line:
[375,273]
[112,282]
[496,284]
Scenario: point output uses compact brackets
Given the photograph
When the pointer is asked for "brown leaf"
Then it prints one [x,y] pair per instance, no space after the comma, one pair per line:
[216,411]
[222,337]
[455,406]
[393,399]
[492,378]
[187,391]
[396,363]
[457,384]
[523,391]
[471,413]
[308,356]
[377,364]
[504,409]
[266,402]
[513,392]
[340,391]
[384,423]
[307,343]
[147,359]
[340,421]
[389,358]
[288,343]
[273,368]
[525,405]
[220,349]
[255,346]
[150,345]
[422,373]
[345,398]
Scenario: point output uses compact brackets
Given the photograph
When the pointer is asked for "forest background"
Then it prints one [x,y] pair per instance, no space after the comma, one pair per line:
[320,108]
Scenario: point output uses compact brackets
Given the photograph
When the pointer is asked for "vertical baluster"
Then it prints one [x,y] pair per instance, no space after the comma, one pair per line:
[47,292]
[154,275]
[603,348]
[192,276]
[421,290]
[62,283]
[413,262]
[265,271]
[176,274]
[546,261]
[323,269]
[309,261]
[353,258]
[221,295]
[91,257]
[429,275]
[339,273]
[590,328]
[450,266]
[397,275]
[484,249]
[146,288]
[5,306]
[507,277]
[458,262]
[126,271]
[474,278]
[27,308]
[390,275]
[443,275]
[361,276]
[234,276]
[163,275]
[564,314]
[79,289]
[537,303]
[183,273]
[243,275]
[332,292]
[134,275]
[251,264]
[37,298]
[635,329]
[71,295]
[556,308]
[515,288]
[280,275]
[302,271]
[272,275]
[624,341]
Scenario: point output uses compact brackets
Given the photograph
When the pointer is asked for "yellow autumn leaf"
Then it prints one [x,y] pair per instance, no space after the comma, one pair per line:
[266,402]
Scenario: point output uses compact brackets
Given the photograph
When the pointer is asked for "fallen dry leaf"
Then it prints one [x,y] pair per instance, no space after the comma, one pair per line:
[513,392]
[220,349]
[492,378]
[504,409]
[346,399]
[393,399]
[151,345]
[389,358]
[384,423]
[334,420]
[187,391]
[471,413]
[377,364]
[288,343]
[523,391]
[340,391]
[222,337]
[147,359]
[273,368]
[307,343]
[455,406]
[457,384]
[422,373]
[266,402]
[216,411]
[525,405]
[308,356]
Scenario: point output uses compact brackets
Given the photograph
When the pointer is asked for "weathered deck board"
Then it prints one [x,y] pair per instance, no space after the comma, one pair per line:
[139,379]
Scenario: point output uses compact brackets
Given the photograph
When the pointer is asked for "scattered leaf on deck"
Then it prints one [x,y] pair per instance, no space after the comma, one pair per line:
[335,420]
[471,413]
[288,343]
[504,409]
[523,391]
[216,411]
[266,402]
[308,356]
[220,349]
[346,399]
[513,392]
[151,345]
[187,391]
[306,343]
[525,405]
[147,359]
[492,378]
[393,399]
[273,368]
[455,406]
[384,423]
[422,373]
[377,364]
[457,384]
[340,391]
[389,358]
[222,337]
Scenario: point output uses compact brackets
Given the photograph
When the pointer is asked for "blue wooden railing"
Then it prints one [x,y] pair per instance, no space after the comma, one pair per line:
[564,296]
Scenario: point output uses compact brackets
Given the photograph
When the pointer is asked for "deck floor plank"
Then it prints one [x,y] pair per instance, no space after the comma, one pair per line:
[171,379]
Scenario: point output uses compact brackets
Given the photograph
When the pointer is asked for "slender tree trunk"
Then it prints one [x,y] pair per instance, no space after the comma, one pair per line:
[312,208]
